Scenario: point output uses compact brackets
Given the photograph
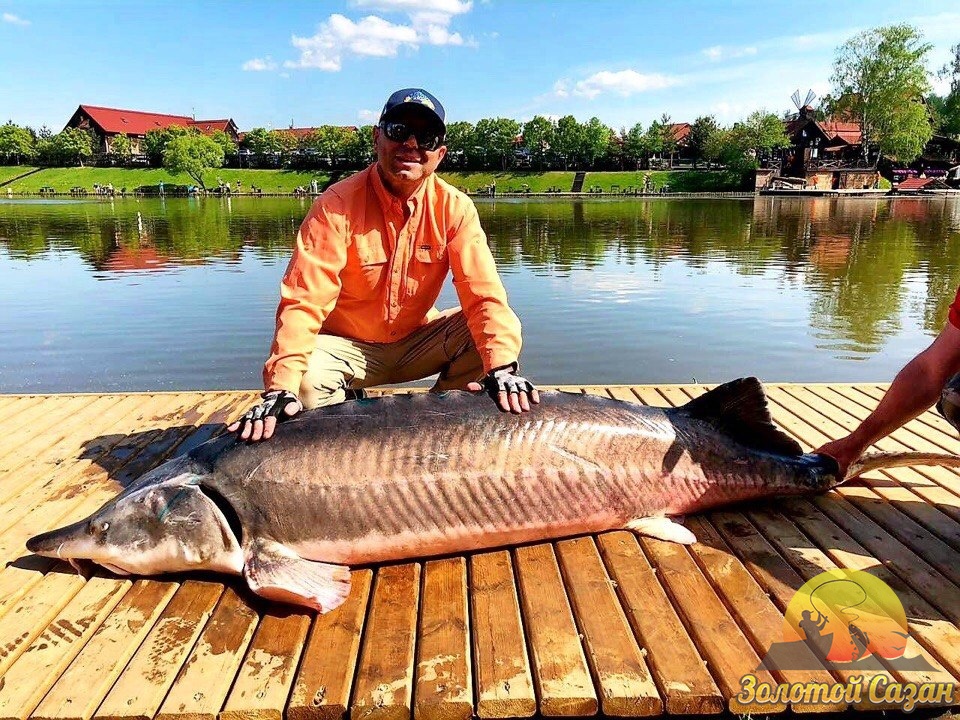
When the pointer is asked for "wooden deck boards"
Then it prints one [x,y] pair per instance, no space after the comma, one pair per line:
[608,625]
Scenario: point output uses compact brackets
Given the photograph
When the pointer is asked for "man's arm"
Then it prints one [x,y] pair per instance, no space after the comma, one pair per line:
[494,326]
[308,292]
[915,388]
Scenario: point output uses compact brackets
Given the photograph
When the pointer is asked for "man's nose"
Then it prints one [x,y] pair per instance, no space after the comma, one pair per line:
[411,141]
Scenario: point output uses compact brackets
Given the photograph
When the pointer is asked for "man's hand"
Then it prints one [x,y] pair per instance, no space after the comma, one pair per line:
[259,422]
[844,451]
[510,391]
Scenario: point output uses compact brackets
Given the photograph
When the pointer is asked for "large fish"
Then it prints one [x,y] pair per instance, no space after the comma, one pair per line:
[412,476]
[949,402]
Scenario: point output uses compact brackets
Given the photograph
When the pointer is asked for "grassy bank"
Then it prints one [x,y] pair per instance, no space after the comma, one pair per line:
[284,181]
[11,171]
[63,179]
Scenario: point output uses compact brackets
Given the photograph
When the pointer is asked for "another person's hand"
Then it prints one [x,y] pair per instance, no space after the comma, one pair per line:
[844,451]
[511,392]
[259,422]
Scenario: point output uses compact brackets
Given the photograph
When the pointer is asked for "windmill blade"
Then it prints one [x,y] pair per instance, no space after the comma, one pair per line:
[796,98]
[810,97]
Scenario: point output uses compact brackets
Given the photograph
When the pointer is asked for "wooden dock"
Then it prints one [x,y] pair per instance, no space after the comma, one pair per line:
[608,625]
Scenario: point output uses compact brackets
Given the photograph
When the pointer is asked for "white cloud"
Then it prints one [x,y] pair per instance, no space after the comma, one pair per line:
[560,89]
[623,83]
[428,23]
[259,64]
[719,52]
[368,117]
[14,19]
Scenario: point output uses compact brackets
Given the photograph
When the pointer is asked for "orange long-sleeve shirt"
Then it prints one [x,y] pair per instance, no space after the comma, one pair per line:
[360,271]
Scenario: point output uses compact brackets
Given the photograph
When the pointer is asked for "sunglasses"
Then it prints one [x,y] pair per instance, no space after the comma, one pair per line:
[398,132]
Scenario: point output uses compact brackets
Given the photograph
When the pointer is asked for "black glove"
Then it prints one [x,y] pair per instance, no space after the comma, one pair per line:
[273,405]
[506,380]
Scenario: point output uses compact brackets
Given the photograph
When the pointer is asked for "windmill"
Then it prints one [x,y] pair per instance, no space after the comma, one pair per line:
[811,96]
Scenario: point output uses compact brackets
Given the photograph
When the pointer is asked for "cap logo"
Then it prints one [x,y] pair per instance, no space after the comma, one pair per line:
[419,97]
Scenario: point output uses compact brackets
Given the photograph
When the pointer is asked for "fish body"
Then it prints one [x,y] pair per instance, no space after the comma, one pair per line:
[420,475]
[949,403]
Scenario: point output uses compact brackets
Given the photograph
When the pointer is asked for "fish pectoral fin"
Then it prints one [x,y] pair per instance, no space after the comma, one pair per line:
[275,572]
[662,528]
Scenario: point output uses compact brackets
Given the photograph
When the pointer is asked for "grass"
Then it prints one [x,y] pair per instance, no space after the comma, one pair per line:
[12,171]
[63,179]
[678,181]
[510,181]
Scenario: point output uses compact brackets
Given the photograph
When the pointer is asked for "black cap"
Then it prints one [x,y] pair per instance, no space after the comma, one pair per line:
[414,96]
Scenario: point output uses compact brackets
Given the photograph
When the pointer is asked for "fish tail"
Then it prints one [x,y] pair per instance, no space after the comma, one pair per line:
[883,460]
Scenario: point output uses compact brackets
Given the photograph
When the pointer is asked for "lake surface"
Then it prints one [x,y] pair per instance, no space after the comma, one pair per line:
[136,294]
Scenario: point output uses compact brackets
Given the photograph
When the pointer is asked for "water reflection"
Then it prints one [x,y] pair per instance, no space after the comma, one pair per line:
[802,286]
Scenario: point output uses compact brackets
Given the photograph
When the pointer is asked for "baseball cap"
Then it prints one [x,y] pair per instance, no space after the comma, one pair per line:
[414,96]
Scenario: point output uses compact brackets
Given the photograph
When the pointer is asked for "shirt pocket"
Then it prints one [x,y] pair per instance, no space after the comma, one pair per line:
[370,250]
[428,264]
[367,275]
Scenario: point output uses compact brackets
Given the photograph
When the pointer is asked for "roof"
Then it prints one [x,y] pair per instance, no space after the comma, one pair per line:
[914,183]
[136,122]
[835,131]
[681,131]
[210,126]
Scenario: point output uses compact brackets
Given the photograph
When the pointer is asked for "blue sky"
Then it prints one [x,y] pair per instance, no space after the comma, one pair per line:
[334,62]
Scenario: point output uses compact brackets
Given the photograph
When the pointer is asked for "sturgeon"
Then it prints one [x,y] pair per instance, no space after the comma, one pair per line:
[400,477]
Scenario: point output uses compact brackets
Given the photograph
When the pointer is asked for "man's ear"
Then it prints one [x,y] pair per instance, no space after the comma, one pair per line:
[443,152]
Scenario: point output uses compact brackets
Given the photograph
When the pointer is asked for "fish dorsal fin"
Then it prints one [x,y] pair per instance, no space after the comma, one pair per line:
[738,409]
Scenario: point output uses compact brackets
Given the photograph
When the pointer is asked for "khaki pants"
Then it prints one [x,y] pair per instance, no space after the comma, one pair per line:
[443,346]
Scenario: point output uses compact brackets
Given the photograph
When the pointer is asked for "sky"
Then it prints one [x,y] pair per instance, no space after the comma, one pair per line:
[276,64]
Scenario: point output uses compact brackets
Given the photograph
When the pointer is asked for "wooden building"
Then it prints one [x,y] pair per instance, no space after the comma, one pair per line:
[108,123]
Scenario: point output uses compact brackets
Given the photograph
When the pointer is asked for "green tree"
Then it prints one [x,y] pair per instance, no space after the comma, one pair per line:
[635,145]
[360,150]
[538,137]
[121,148]
[596,140]
[949,106]
[760,134]
[224,141]
[72,146]
[461,143]
[653,139]
[880,79]
[701,133]
[330,141]
[156,141]
[498,136]
[16,142]
[669,142]
[192,154]
[568,139]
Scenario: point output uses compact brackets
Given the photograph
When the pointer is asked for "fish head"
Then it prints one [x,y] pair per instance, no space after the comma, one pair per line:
[949,403]
[152,528]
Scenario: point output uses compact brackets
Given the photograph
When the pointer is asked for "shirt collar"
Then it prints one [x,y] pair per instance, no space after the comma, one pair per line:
[387,200]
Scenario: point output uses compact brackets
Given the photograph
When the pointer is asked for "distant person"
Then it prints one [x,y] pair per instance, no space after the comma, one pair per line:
[238,186]
[915,388]
[357,300]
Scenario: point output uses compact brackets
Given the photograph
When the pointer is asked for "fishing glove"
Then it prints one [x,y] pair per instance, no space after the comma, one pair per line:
[274,403]
[506,380]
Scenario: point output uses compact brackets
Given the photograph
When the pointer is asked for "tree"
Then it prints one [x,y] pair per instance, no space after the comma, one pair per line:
[330,141]
[949,106]
[224,141]
[461,142]
[596,140]
[761,133]
[156,141]
[538,137]
[121,148]
[192,154]
[360,150]
[568,139]
[880,79]
[72,146]
[668,142]
[498,136]
[701,134]
[16,142]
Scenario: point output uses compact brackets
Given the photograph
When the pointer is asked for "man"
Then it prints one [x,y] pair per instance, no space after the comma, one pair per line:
[915,388]
[357,299]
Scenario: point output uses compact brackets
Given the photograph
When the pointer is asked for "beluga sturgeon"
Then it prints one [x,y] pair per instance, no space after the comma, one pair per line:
[421,475]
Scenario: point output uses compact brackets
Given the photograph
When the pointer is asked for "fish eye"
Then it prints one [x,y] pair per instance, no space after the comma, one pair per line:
[99,528]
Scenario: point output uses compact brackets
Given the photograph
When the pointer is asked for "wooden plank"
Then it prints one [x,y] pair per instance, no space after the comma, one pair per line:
[501,663]
[678,669]
[88,679]
[199,691]
[754,611]
[625,685]
[25,683]
[729,655]
[50,422]
[263,684]
[444,677]
[322,688]
[560,668]
[141,688]
[384,685]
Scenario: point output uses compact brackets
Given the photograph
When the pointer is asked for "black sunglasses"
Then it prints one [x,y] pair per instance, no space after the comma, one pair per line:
[398,132]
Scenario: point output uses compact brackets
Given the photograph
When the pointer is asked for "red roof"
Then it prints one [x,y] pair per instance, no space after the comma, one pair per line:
[132,122]
[849,132]
[680,131]
[210,126]
[914,183]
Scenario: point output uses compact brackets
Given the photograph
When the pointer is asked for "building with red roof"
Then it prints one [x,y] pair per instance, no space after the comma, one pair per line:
[107,123]
[817,144]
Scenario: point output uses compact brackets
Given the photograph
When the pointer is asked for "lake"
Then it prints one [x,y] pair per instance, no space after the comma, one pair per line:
[144,294]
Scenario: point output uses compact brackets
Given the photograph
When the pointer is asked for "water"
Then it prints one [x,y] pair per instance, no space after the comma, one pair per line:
[180,294]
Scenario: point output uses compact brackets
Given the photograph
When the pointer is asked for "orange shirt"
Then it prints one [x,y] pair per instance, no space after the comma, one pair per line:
[360,271]
[954,315]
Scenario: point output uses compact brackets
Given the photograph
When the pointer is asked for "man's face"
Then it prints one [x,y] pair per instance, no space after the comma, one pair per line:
[404,162]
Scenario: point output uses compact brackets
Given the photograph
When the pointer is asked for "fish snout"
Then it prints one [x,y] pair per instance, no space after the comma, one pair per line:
[63,542]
